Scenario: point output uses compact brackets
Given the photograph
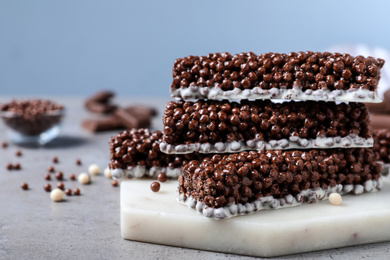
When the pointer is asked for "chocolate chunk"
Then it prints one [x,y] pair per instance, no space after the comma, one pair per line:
[143,114]
[99,108]
[102,124]
[99,102]
[128,120]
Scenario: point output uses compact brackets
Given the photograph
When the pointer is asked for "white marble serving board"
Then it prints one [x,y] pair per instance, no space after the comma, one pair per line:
[159,218]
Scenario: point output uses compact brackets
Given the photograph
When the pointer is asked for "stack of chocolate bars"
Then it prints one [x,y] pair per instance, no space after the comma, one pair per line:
[262,152]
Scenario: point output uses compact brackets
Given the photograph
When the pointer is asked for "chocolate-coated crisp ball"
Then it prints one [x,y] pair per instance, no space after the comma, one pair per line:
[68,192]
[155,186]
[59,176]
[24,186]
[60,185]
[47,187]
[114,183]
[162,177]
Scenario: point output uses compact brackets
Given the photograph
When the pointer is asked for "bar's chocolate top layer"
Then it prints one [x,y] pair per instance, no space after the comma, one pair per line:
[211,122]
[382,144]
[247,176]
[247,71]
[140,147]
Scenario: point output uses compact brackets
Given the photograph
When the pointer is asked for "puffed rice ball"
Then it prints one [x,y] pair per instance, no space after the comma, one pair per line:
[107,173]
[56,195]
[83,178]
[94,169]
[335,199]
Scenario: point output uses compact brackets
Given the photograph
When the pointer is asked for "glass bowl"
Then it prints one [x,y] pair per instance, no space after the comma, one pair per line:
[33,130]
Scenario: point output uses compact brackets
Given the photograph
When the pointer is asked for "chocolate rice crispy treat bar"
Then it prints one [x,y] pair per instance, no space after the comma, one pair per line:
[224,186]
[224,127]
[299,76]
[136,153]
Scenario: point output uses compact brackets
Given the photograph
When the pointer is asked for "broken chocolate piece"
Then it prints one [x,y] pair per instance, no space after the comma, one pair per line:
[102,124]
[100,102]
[126,119]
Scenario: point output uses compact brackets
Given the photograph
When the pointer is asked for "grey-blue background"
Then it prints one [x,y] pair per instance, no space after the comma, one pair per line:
[76,47]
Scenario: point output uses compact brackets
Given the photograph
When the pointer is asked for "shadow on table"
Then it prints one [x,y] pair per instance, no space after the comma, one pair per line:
[63,141]
[66,141]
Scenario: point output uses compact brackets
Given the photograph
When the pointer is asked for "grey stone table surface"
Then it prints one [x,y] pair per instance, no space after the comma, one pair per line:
[88,226]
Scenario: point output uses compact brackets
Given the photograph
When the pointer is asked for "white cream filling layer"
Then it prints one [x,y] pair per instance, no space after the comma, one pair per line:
[294,142]
[350,95]
[142,171]
[269,202]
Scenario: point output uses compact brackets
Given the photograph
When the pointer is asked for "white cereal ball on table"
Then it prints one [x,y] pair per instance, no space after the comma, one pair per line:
[107,173]
[56,195]
[83,178]
[335,199]
[94,169]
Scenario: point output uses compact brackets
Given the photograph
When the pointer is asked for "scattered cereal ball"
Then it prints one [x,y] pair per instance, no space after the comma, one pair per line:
[72,177]
[61,185]
[10,166]
[162,177]
[24,186]
[68,192]
[18,153]
[50,169]
[76,191]
[78,162]
[107,173]
[17,166]
[335,199]
[83,178]
[94,169]
[59,176]
[56,195]
[55,159]
[114,183]
[155,186]
[47,187]
[47,177]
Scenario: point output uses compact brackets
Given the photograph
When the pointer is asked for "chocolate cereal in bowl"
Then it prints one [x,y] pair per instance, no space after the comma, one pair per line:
[32,121]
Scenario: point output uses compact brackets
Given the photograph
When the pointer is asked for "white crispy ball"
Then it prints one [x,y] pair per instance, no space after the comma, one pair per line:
[335,199]
[94,169]
[83,178]
[107,173]
[56,195]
